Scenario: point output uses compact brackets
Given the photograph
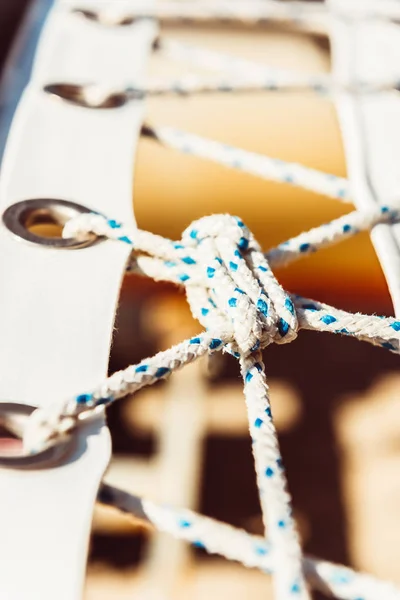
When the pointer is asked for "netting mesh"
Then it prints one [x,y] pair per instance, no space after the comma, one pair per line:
[233,293]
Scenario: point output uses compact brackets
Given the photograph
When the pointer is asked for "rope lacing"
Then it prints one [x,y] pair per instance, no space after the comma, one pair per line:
[234,294]
[243,295]
[249,310]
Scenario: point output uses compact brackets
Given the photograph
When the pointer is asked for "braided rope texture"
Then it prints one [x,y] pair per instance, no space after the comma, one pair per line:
[233,293]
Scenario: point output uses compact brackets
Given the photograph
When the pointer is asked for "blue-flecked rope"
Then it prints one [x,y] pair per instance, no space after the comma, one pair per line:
[165,260]
[259,165]
[251,12]
[239,74]
[272,80]
[243,308]
[233,74]
[252,551]
[257,311]
[234,294]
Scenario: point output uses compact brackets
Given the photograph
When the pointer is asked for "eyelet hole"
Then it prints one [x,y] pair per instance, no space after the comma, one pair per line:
[13,422]
[10,443]
[87,96]
[41,221]
[44,223]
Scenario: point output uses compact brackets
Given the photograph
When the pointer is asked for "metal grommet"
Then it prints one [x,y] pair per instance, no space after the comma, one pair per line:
[41,211]
[12,417]
[88,96]
[105,17]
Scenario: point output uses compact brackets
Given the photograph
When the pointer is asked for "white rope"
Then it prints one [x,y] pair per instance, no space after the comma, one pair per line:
[234,75]
[238,74]
[234,294]
[247,12]
[262,166]
[274,81]
[326,235]
[96,94]
[250,550]
[259,312]
[243,309]
[174,263]
[228,65]
[251,12]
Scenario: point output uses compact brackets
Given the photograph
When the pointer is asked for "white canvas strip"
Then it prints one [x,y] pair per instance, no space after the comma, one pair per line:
[57,306]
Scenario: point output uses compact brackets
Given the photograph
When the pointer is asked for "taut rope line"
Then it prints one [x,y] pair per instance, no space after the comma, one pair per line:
[232,291]
[230,286]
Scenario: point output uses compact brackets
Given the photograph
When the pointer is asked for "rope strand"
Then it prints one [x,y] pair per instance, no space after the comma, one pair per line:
[249,162]
[233,292]
[250,550]
[296,12]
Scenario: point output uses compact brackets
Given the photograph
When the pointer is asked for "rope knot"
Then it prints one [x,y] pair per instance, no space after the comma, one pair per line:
[241,296]
[217,226]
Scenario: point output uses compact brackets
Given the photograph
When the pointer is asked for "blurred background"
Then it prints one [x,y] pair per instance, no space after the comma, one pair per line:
[186,441]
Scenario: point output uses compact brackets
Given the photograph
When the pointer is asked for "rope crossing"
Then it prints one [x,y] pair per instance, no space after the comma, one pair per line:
[233,75]
[233,293]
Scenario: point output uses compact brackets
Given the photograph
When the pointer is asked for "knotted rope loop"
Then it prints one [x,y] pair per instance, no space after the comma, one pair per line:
[230,286]
[239,284]
[234,294]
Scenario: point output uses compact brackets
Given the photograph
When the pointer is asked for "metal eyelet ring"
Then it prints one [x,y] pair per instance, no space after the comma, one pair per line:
[41,211]
[12,416]
[105,18]
[87,96]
